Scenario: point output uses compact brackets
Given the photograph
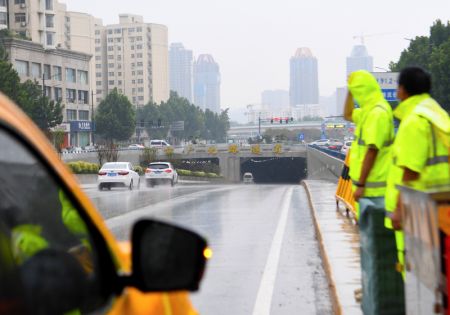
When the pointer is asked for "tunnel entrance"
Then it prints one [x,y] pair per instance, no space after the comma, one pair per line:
[275,170]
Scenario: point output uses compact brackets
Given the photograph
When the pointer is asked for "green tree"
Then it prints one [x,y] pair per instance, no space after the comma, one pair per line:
[45,113]
[433,54]
[197,123]
[115,118]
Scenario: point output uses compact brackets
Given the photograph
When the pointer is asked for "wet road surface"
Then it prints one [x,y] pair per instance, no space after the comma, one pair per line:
[266,257]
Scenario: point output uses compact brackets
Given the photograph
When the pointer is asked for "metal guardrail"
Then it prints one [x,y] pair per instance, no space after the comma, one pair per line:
[334,153]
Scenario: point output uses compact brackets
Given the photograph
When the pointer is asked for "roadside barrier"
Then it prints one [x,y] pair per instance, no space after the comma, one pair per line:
[344,192]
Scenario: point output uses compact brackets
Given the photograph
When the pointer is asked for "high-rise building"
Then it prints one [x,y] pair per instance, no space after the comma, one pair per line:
[57,52]
[275,100]
[304,82]
[132,56]
[181,70]
[36,20]
[207,83]
[359,60]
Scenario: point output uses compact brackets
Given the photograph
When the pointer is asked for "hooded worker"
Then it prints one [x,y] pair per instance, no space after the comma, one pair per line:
[374,134]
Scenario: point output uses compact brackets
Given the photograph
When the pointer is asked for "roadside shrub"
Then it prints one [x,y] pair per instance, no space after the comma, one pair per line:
[81,167]
[184,172]
[212,175]
[138,169]
[199,174]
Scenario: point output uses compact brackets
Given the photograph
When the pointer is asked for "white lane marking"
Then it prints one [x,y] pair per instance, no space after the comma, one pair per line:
[263,301]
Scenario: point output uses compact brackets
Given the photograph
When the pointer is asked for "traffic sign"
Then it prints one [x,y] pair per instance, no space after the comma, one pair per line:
[301,136]
[388,82]
[177,126]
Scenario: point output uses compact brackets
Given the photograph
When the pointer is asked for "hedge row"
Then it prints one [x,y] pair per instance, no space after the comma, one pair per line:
[82,167]
[197,174]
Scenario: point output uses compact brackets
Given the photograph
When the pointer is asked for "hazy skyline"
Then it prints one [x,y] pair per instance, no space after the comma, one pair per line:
[253,40]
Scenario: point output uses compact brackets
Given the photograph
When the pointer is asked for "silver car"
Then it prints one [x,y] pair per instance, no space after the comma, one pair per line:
[160,172]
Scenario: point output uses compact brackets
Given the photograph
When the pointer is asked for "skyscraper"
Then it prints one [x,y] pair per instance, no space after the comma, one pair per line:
[359,60]
[304,82]
[181,70]
[207,83]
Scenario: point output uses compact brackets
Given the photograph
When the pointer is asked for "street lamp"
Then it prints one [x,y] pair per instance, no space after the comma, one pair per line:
[93,116]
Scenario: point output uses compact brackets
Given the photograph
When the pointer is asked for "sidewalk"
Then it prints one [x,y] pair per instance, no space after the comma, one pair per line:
[339,242]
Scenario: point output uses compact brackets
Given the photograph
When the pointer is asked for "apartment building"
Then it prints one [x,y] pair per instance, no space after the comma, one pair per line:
[35,19]
[3,14]
[132,56]
[64,76]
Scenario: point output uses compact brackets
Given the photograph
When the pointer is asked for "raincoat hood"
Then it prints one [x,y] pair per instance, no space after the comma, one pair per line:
[424,105]
[365,89]
[434,113]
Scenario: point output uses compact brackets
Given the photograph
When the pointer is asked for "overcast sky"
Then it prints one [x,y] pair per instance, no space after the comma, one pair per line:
[252,40]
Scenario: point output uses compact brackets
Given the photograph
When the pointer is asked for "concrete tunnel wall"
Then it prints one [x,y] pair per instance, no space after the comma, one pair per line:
[323,166]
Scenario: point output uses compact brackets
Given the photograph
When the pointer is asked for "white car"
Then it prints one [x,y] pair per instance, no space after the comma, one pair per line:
[136,146]
[346,147]
[160,172]
[118,174]
[248,178]
[321,143]
[159,144]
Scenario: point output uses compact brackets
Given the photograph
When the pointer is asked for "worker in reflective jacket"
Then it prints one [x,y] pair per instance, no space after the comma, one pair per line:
[374,134]
[420,150]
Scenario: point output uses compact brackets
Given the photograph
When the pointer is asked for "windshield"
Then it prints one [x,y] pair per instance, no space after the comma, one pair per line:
[115,166]
[159,166]
[234,118]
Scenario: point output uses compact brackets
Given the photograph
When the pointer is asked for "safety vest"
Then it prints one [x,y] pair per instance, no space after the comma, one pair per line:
[421,145]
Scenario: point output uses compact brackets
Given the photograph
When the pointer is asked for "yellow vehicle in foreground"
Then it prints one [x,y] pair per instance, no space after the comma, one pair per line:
[58,257]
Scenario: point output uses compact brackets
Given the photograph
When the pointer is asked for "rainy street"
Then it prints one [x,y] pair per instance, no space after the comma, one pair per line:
[266,256]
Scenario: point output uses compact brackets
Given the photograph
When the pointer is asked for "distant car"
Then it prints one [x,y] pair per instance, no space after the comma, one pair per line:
[160,172]
[335,144]
[118,174]
[321,143]
[136,146]
[346,147]
[89,148]
[159,144]
[248,178]
[75,149]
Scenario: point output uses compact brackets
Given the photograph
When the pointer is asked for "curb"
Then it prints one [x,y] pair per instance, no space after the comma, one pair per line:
[337,307]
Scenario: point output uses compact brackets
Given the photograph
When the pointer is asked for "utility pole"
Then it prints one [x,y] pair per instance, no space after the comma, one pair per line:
[259,126]
[92,118]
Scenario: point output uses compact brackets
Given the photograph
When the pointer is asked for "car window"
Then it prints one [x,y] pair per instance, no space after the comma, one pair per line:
[114,166]
[158,166]
[52,261]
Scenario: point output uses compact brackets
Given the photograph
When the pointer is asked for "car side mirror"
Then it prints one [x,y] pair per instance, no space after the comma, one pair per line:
[166,257]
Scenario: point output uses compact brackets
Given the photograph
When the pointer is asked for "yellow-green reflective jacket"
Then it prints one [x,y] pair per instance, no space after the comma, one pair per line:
[374,128]
[421,145]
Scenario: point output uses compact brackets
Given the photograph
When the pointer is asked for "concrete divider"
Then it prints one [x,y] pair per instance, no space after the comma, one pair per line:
[323,166]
